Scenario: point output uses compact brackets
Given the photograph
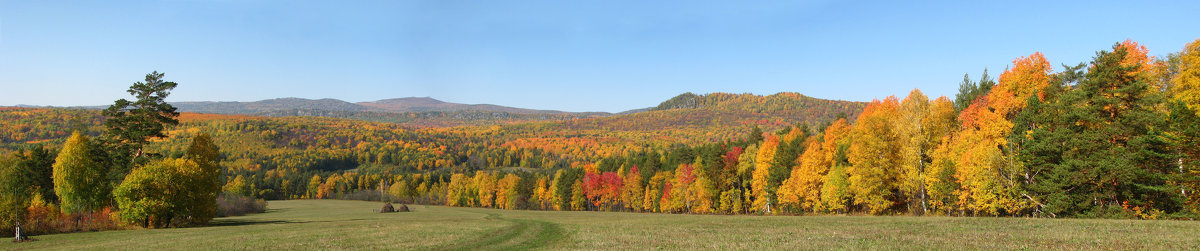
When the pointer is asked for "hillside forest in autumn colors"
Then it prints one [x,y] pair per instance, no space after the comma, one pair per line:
[1116,137]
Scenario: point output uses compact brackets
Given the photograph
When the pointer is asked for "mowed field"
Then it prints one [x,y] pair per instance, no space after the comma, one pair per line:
[334,224]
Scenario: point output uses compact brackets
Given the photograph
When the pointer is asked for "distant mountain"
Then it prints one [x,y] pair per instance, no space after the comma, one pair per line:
[636,111]
[427,104]
[270,105]
[716,114]
[690,118]
[396,105]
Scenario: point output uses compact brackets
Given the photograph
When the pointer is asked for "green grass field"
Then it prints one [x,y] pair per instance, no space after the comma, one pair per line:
[333,224]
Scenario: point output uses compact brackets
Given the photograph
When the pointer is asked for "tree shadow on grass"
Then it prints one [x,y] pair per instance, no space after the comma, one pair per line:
[241,222]
[276,210]
[232,222]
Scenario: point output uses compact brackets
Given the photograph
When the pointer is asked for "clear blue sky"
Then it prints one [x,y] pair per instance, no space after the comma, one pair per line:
[565,55]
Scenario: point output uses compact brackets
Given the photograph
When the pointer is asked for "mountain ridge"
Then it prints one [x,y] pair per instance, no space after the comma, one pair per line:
[393,105]
[428,104]
[687,109]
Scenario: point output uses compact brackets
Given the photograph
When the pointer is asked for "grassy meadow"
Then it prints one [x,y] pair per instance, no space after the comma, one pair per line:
[334,224]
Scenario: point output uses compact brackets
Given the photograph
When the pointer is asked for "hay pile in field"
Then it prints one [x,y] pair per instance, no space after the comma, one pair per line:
[388,208]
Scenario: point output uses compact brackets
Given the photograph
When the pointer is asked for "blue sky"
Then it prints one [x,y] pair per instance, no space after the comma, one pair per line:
[564,55]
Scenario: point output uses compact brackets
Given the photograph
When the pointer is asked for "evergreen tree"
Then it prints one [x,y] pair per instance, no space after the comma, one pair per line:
[38,166]
[1099,149]
[131,124]
[969,90]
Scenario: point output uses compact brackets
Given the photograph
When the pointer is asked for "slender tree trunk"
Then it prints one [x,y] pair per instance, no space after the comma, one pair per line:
[924,207]
[921,170]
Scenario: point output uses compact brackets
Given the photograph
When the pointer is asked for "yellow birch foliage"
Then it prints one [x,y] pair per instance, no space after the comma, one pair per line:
[939,181]
[815,164]
[914,147]
[632,192]
[486,185]
[835,193]
[985,174]
[555,201]
[1186,84]
[78,179]
[540,194]
[506,191]
[700,196]
[874,157]
[762,167]
[457,190]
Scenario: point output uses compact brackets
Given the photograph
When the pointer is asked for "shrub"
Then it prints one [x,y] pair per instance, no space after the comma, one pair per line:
[236,205]
[45,218]
[367,195]
[168,192]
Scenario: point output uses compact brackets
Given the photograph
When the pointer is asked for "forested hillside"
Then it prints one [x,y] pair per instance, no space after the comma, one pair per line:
[268,150]
[1113,137]
[416,112]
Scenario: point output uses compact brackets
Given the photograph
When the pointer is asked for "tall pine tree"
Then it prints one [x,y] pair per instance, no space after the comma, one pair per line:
[1099,149]
[131,124]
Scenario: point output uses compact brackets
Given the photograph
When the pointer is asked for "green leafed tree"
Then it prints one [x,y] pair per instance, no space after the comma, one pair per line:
[78,178]
[206,183]
[163,193]
[835,194]
[16,193]
[22,177]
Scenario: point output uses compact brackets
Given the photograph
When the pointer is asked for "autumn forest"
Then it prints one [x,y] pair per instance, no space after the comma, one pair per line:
[1116,137]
